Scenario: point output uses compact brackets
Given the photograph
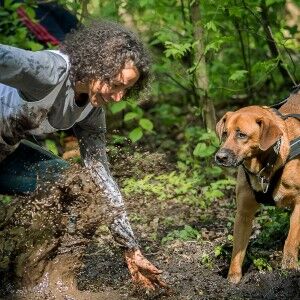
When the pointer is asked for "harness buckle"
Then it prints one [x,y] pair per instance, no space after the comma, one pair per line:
[264,184]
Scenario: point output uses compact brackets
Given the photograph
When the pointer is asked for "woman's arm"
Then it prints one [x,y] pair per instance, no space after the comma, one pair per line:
[93,152]
[34,74]
[92,144]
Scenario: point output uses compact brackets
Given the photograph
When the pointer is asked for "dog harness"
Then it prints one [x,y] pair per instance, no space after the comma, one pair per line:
[268,185]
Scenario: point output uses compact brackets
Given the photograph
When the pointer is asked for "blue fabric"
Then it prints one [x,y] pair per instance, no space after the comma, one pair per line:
[28,164]
[56,19]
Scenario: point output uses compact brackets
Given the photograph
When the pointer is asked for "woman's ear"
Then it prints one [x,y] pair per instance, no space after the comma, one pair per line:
[270,133]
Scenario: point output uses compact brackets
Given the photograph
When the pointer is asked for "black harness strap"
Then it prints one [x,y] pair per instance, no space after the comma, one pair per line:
[294,90]
[284,117]
[295,149]
[278,105]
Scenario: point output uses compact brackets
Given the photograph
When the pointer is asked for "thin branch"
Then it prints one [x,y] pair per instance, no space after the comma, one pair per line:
[292,60]
[177,82]
[243,53]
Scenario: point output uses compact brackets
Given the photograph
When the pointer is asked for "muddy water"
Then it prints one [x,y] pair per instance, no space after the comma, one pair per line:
[43,237]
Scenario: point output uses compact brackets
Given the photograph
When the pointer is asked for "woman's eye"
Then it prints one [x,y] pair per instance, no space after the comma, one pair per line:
[116,85]
[241,135]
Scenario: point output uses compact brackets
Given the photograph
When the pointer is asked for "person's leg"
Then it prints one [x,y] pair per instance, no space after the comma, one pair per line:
[56,19]
[28,164]
[45,16]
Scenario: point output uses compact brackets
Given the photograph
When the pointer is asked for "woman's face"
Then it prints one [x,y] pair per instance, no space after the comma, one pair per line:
[101,93]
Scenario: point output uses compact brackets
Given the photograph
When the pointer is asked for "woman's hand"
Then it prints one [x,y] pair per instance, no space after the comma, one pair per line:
[142,271]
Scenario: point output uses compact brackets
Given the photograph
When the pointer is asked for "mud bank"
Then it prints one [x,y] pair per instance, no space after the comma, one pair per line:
[43,237]
[42,248]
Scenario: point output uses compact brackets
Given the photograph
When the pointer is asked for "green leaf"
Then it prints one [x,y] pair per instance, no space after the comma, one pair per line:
[34,46]
[5,199]
[235,11]
[211,25]
[130,116]
[118,139]
[215,45]
[202,150]
[30,12]
[117,107]
[51,146]
[4,13]
[136,134]
[218,250]
[266,66]
[146,124]
[238,75]
[177,50]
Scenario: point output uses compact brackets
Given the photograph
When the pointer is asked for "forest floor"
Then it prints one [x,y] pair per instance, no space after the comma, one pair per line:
[194,269]
[190,243]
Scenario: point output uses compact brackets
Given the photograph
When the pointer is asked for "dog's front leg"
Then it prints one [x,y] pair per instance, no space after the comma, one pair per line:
[291,246]
[246,209]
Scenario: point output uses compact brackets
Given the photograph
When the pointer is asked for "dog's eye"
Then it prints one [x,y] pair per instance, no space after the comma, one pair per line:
[224,135]
[241,135]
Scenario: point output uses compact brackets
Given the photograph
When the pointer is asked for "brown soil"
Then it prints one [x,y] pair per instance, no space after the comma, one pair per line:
[190,267]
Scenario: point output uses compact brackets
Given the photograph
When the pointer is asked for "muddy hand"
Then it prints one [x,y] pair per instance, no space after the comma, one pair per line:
[142,271]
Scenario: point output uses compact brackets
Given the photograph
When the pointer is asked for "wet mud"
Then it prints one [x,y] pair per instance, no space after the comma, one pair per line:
[43,237]
[55,245]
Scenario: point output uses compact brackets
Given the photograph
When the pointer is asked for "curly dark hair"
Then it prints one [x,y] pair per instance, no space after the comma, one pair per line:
[101,49]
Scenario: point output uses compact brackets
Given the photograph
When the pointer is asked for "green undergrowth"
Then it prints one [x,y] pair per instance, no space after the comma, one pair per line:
[187,233]
[270,232]
[196,179]
[180,186]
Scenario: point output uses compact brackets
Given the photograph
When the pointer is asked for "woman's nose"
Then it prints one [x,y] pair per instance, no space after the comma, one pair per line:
[118,96]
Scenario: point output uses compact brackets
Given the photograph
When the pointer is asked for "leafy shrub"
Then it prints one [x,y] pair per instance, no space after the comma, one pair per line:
[12,31]
[188,233]
[134,116]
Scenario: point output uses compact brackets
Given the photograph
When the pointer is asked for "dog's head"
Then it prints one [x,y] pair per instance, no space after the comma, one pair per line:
[244,134]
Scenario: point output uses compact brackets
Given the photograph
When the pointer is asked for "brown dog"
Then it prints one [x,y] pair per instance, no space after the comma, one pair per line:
[257,139]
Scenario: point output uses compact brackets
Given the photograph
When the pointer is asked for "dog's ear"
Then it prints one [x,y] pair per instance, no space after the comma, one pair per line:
[221,124]
[270,133]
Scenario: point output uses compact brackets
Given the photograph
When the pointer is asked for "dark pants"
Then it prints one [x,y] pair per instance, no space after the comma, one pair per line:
[26,166]
[56,19]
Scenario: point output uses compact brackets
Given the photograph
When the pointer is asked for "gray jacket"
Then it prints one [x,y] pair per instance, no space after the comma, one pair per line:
[37,97]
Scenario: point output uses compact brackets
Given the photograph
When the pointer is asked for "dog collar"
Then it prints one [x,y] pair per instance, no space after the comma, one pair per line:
[264,174]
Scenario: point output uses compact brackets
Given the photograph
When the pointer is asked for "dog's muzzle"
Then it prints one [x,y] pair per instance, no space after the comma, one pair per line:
[227,158]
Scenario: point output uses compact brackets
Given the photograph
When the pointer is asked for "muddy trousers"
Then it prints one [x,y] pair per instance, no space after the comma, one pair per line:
[26,166]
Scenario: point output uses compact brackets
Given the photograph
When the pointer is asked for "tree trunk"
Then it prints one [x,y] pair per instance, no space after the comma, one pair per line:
[201,77]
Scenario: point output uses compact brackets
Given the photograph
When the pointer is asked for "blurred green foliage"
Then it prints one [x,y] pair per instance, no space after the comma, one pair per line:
[12,31]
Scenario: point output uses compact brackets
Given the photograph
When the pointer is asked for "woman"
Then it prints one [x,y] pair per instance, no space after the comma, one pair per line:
[45,91]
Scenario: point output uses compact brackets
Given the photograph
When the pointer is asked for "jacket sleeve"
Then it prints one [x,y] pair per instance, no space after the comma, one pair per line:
[91,137]
[34,74]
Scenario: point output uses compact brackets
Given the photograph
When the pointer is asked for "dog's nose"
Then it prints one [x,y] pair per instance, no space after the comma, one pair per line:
[222,157]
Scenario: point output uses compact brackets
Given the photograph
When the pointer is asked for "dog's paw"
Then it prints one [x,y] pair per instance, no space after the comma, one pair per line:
[234,277]
[289,262]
